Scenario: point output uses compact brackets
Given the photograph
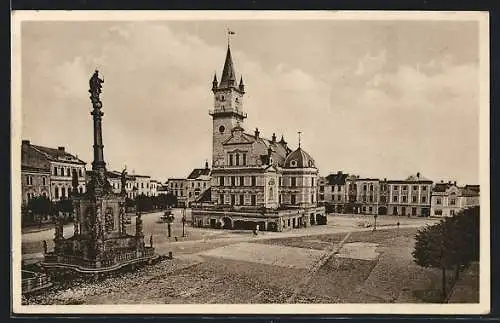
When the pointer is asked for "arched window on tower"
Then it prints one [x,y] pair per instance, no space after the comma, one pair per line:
[237,159]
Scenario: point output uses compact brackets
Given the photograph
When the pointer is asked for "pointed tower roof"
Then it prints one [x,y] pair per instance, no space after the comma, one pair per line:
[228,75]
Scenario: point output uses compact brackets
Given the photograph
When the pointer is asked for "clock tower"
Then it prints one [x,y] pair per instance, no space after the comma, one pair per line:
[228,108]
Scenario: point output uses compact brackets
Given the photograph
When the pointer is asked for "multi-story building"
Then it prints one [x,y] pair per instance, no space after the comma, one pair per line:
[177,186]
[411,196]
[153,187]
[368,195]
[48,171]
[332,191]
[448,199]
[352,204]
[198,181]
[256,182]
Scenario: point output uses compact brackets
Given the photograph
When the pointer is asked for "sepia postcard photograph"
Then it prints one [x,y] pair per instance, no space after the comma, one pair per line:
[250,162]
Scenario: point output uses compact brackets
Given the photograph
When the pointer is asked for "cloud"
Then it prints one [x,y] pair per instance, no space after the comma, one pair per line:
[368,114]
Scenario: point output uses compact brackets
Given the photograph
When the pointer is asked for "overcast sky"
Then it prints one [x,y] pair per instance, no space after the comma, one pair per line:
[374,98]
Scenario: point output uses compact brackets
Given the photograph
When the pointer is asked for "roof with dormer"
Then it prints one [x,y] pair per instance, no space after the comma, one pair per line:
[299,159]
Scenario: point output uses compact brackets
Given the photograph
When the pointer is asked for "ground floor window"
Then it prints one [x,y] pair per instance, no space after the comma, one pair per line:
[413,211]
[438,212]
[394,210]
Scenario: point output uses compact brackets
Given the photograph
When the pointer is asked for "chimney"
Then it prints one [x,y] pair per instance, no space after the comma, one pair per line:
[455,183]
[418,175]
[273,138]
[60,148]
[339,172]
[206,164]
[25,142]
[442,181]
[449,182]
[257,133]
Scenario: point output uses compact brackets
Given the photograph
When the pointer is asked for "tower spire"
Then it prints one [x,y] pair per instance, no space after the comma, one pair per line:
[228,75]
[299,132]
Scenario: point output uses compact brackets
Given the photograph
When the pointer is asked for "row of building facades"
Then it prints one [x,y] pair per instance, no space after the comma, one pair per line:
[49,172]
[414,196]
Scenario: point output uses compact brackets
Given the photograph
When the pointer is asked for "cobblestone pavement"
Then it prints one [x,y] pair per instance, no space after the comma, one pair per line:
[203,271]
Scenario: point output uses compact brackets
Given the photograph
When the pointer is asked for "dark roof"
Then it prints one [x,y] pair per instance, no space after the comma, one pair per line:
[301,157]
[475,188]
[55,154]
[228,75]
[336,179]
[197,172]
[468,192]
[441,187]
[206,196]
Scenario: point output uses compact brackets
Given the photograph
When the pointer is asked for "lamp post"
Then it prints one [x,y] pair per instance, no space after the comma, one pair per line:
[183,220]
[375,223]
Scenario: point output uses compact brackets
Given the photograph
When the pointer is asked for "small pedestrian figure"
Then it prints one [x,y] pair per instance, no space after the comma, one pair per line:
[176,239]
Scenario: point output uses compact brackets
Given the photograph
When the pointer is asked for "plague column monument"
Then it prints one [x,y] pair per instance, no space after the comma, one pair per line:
[100,242]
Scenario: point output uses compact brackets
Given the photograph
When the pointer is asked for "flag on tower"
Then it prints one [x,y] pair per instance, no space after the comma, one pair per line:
[230,32]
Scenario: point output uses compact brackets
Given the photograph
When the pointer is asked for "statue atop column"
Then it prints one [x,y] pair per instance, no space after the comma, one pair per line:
[95,84]
[123,178]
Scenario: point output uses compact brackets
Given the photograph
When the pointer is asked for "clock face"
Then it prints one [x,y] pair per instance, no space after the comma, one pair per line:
[221,129]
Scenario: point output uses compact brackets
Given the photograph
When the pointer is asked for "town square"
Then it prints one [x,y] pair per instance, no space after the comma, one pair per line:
[217,162]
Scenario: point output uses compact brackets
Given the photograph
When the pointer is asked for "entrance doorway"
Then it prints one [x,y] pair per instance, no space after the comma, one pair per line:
[382,210]
[227,223]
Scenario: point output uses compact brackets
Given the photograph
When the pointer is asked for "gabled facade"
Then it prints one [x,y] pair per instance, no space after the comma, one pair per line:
[48,172]
[448,199]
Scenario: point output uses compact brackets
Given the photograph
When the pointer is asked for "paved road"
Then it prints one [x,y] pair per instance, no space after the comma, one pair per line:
[199,239]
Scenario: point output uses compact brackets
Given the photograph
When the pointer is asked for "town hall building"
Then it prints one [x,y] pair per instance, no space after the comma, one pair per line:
[256,182]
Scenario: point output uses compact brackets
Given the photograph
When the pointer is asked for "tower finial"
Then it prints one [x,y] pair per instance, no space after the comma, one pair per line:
[299,132]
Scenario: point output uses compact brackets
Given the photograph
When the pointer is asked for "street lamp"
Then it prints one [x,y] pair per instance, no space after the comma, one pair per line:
[183,220]
[375,223]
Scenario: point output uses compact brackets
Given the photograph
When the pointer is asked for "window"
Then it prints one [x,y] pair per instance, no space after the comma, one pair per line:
[242,181]
[230,160]
[424,188]
[80,172]
[452,212]
[233,199]
[190,194]
[293,183]
[438,212]
[438,201]
[414,199]
[204,184]
[221,181]
[415,187]
[237,159]
[221,198]
[369,209]
[55,171]
[233,181]
[394,198]
[242,199]
[253,181]
[253,200]
[452,201]
[364,187]
[29,180]
[371,187]
[404,188]
[371,198]
[198,184]
[312,181]
[68,172]
[404,199]
[395,187]
[424,199]
[63,192]
[321,188]
[312,198]
[244,159]
[364,198]
[292,199]
[80,189]
[382,199]
[192,184]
